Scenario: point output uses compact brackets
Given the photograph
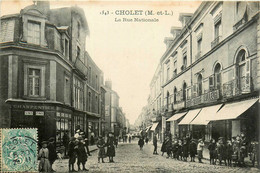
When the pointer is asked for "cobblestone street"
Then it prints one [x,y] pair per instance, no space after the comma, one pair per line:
[130,159]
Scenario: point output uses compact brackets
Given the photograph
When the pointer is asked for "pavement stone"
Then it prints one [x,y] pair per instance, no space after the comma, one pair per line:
[129,158]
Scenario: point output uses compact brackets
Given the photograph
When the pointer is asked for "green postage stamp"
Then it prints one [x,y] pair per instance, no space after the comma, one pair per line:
[18,150]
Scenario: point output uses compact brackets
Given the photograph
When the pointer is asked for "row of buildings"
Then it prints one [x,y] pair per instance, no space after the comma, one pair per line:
[49,81]
[207,82]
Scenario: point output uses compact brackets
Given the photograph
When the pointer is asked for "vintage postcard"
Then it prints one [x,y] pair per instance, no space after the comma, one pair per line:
[129,86]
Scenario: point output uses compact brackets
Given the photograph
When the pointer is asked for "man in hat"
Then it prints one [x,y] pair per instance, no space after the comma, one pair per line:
[65,141]
[82,155]
[52,151]
[44,165]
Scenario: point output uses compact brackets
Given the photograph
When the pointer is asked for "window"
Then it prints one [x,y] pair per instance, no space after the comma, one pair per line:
[199,45]
[175,95]
[89,101]
[184,61]
[97,105]
[199,84]
[168,74]
[167,100]
[34,82]
[184,87]
[34,33]
[78,25]
[78,94]
[63,124]
[175,68]
[243,72]
[66,49]
[67,90]
[90,74]
[217,30]
[96,82]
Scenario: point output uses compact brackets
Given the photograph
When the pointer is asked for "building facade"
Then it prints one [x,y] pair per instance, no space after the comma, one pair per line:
[115,120]
[210,76]
[46,75]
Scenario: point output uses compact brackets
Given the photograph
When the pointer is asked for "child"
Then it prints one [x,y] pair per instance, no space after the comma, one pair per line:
[141,143]
[175,149]
[229,150]
[101,149]
[193,147]
[212,151]
[221,151]
[200,150]
[44,165]
[72,153]
[179,152]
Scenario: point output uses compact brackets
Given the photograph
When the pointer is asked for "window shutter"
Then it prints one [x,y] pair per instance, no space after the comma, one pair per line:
[194,92]
[211,82]
[218,80]
[247,88]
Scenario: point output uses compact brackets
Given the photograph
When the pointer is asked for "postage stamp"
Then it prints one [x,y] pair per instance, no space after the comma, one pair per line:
[18,150]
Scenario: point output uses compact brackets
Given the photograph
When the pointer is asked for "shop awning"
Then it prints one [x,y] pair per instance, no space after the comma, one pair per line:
[177,116]
[154,126]
[206,114]
[233,110]
[148,128]
[189,117]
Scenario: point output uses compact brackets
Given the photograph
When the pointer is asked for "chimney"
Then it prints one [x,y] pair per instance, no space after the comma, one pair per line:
[44,6]
[184,18]
[108,84]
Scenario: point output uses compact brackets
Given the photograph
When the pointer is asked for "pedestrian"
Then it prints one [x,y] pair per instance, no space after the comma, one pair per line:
[179,151]
[72,153]
[155,144]
[168,146]
[44,165]
[116,141]
[175,149]
[81,154]
[212,151]
[200,150]
[52,152]
[163,147]
[146,140]
[185,150]
[141,143]
[86,141]
[221,151]
[229,152]
[129,138]
[77,134]
[65,141]
[101,149]
[193,150]
[92,140]
[110,147]
[253,149]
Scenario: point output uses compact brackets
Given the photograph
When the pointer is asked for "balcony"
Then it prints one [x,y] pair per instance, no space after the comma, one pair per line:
[80,66]
[240,23]
[183,67]
[215,41]
[237,87]
[198,55]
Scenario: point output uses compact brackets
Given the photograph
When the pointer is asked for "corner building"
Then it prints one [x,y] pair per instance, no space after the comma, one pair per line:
[45,73]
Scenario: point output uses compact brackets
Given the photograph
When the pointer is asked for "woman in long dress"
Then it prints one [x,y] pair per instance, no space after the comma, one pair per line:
[44,165]
[101,149]
[110,147]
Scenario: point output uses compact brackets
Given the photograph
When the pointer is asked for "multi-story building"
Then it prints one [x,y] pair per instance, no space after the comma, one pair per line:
[45,72]
[210,72]
[114,116]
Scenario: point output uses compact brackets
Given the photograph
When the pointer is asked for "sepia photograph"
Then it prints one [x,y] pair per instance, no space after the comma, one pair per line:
[129,86]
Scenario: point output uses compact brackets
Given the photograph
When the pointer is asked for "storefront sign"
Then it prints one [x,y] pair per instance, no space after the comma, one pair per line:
[33,107]
[28,112]
[39,113]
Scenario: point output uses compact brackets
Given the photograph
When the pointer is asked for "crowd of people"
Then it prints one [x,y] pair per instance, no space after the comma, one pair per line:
[77,149]
[228,152]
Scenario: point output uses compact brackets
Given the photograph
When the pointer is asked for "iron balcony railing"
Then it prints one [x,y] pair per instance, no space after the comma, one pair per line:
[215,41]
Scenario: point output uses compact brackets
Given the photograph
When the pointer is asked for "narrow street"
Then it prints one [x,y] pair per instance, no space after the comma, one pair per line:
[130,159]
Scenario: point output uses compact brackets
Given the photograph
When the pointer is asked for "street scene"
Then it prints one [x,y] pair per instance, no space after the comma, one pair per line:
[130,159]
[130,86]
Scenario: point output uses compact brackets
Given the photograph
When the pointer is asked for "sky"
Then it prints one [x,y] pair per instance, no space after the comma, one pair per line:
[127,52]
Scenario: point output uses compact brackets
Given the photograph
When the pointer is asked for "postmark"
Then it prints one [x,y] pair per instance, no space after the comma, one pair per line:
[18,150]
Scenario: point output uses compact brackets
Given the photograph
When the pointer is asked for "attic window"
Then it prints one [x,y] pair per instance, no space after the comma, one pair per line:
[34,33]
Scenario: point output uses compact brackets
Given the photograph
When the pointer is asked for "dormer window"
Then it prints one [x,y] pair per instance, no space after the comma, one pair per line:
[34,33]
